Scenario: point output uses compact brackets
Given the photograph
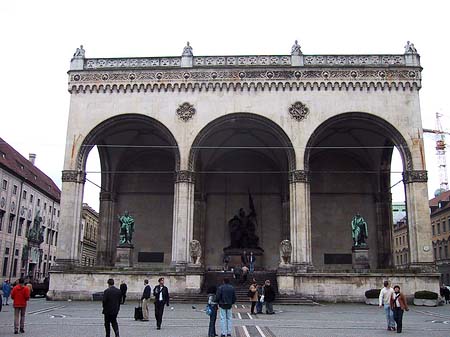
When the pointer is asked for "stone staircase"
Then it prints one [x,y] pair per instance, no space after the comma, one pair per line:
[216,278]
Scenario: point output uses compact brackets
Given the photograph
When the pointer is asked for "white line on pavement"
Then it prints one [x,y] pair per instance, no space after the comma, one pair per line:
[260,331]
[249,316]
[41,311]
[239,315]
[235,306]
[246,331]
[243,306]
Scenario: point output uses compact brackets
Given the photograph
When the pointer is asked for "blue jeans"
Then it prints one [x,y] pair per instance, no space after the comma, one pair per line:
[389,316]
[252,267]
[212,322]
[225,321]
[259,307]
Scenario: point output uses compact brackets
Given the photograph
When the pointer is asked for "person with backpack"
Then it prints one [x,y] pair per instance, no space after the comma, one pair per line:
[212,305]
[398,305]
[20,296]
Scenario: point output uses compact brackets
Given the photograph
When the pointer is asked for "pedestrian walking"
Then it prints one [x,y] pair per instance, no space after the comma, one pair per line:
[161,294]
[446,294]
[212,303]
[244,258]
[6,288]
[226,297]
[111,306]
[20,296]
[244,273]
[237,271]
[385,302]
[253,296]
[252,260]
[398,305]
[269,297]
[123,289]
[259,304]
[145,298]
[226,261]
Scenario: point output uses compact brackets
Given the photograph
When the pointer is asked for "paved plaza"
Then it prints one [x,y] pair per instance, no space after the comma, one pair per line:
[70,319]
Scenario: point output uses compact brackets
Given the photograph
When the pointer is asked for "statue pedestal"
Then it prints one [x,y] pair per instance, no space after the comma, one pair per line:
[124,257]
[235,255]
[360,258]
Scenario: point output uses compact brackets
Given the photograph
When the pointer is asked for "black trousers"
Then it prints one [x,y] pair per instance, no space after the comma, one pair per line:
[398,318]
[253,307]
[159,311]
[111,319]
[122,300]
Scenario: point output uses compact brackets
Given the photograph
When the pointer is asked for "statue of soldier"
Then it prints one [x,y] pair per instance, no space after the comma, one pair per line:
[359,231]
[126,228]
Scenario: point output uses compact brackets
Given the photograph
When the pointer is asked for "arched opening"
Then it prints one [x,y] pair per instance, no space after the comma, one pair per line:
[349,157]
[138,158]
[241,160]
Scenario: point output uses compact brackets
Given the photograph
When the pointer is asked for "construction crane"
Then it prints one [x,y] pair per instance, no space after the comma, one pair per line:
[440,151]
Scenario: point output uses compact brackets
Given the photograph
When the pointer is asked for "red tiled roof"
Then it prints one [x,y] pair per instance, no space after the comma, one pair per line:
[17,164]
[443,196]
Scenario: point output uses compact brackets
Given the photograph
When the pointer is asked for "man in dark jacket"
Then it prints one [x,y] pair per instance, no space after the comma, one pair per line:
[123,290]
[226,297]
[111,306]
[161,294]
[269,297]
[145,298]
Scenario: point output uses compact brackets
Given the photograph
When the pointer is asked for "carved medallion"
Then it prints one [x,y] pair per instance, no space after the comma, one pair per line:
[298,111]
[3,203]
[185,111]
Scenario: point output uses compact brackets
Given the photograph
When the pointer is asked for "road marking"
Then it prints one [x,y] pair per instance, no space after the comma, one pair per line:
[260,331]
[245,331]
[239,315]
[243,306]
[235,306]
[42,311]
[249,316]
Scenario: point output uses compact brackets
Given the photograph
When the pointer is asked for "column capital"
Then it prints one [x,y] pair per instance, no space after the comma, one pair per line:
[299,176]
[415,176]
[184,176]
[73,176]
[106,196]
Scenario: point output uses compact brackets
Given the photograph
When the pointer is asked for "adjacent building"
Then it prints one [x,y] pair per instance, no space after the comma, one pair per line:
[88,242]
[440,230]
[29,216]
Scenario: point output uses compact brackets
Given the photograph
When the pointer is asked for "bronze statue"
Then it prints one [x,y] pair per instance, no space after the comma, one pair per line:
[126,228]
[359,231]
[242,228]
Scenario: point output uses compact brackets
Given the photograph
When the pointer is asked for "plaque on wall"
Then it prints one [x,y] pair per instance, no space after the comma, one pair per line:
[337,258]
[151,257]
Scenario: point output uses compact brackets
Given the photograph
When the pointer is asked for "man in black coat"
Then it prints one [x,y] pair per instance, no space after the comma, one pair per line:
[123,290]
[161,294]
[111,306]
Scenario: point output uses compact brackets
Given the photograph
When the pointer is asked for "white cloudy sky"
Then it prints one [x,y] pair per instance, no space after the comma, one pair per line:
[38,39]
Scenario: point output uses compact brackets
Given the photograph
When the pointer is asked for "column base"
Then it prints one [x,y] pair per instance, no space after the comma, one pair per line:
[65,264]
[124,256]
[360,258]
[302,267]
[424,267]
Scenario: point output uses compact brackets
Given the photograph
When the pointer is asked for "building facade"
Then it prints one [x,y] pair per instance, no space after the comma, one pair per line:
[88,242]
[401,243]
[440,229]
[29,217]
[301,142]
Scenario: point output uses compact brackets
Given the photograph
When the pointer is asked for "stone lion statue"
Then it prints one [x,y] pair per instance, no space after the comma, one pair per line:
[285,252]
[195,250]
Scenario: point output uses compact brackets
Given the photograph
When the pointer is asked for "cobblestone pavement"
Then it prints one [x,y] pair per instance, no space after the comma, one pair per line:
[70,319]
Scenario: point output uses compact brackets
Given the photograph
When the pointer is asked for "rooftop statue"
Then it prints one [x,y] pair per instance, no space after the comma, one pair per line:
[409,48]
[79,53]
[187,51]
[295,50]
[359,231]
[126,229]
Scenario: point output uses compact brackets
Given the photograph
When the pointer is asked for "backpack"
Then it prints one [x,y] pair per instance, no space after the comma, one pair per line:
[208,310]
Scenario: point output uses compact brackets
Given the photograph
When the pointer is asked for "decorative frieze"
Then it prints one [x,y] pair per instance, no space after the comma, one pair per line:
[299,176]
[73,176]
[298,111]
[416,176]
[184,176]
[185,111]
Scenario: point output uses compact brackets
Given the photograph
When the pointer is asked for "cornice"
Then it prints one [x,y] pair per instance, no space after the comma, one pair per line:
[245,79]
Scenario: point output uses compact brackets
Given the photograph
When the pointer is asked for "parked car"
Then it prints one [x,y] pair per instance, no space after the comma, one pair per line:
[40,288]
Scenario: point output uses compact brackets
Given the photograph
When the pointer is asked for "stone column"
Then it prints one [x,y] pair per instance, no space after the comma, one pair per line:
[419,226]
[183,216]
[107,238]
[300,219]
[384,230]
[70,226]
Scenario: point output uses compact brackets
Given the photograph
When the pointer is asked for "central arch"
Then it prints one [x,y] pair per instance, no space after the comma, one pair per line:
[238,159]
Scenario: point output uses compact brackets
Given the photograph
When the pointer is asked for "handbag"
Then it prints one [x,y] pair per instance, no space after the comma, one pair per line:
[208,310]
[251,293]
[262,299]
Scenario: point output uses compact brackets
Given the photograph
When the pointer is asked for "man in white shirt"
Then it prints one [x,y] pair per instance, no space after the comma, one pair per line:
[385,301]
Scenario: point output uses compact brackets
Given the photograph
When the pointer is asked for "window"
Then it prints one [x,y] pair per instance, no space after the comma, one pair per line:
[446,251]
[14,272]
[5,184]
[440,252]
[58,213]
[396,241]
[16,253]
[401,259]
[432,230]
[45,206]
[19,230]
[39,202]
[444,226]
[54,211]
[11,222]
[1,219]
[31,197]
[56,239]
[50,209]
[435,254]
[15,189]
[438,228]
[24,195]
[5,266]
[28,227]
